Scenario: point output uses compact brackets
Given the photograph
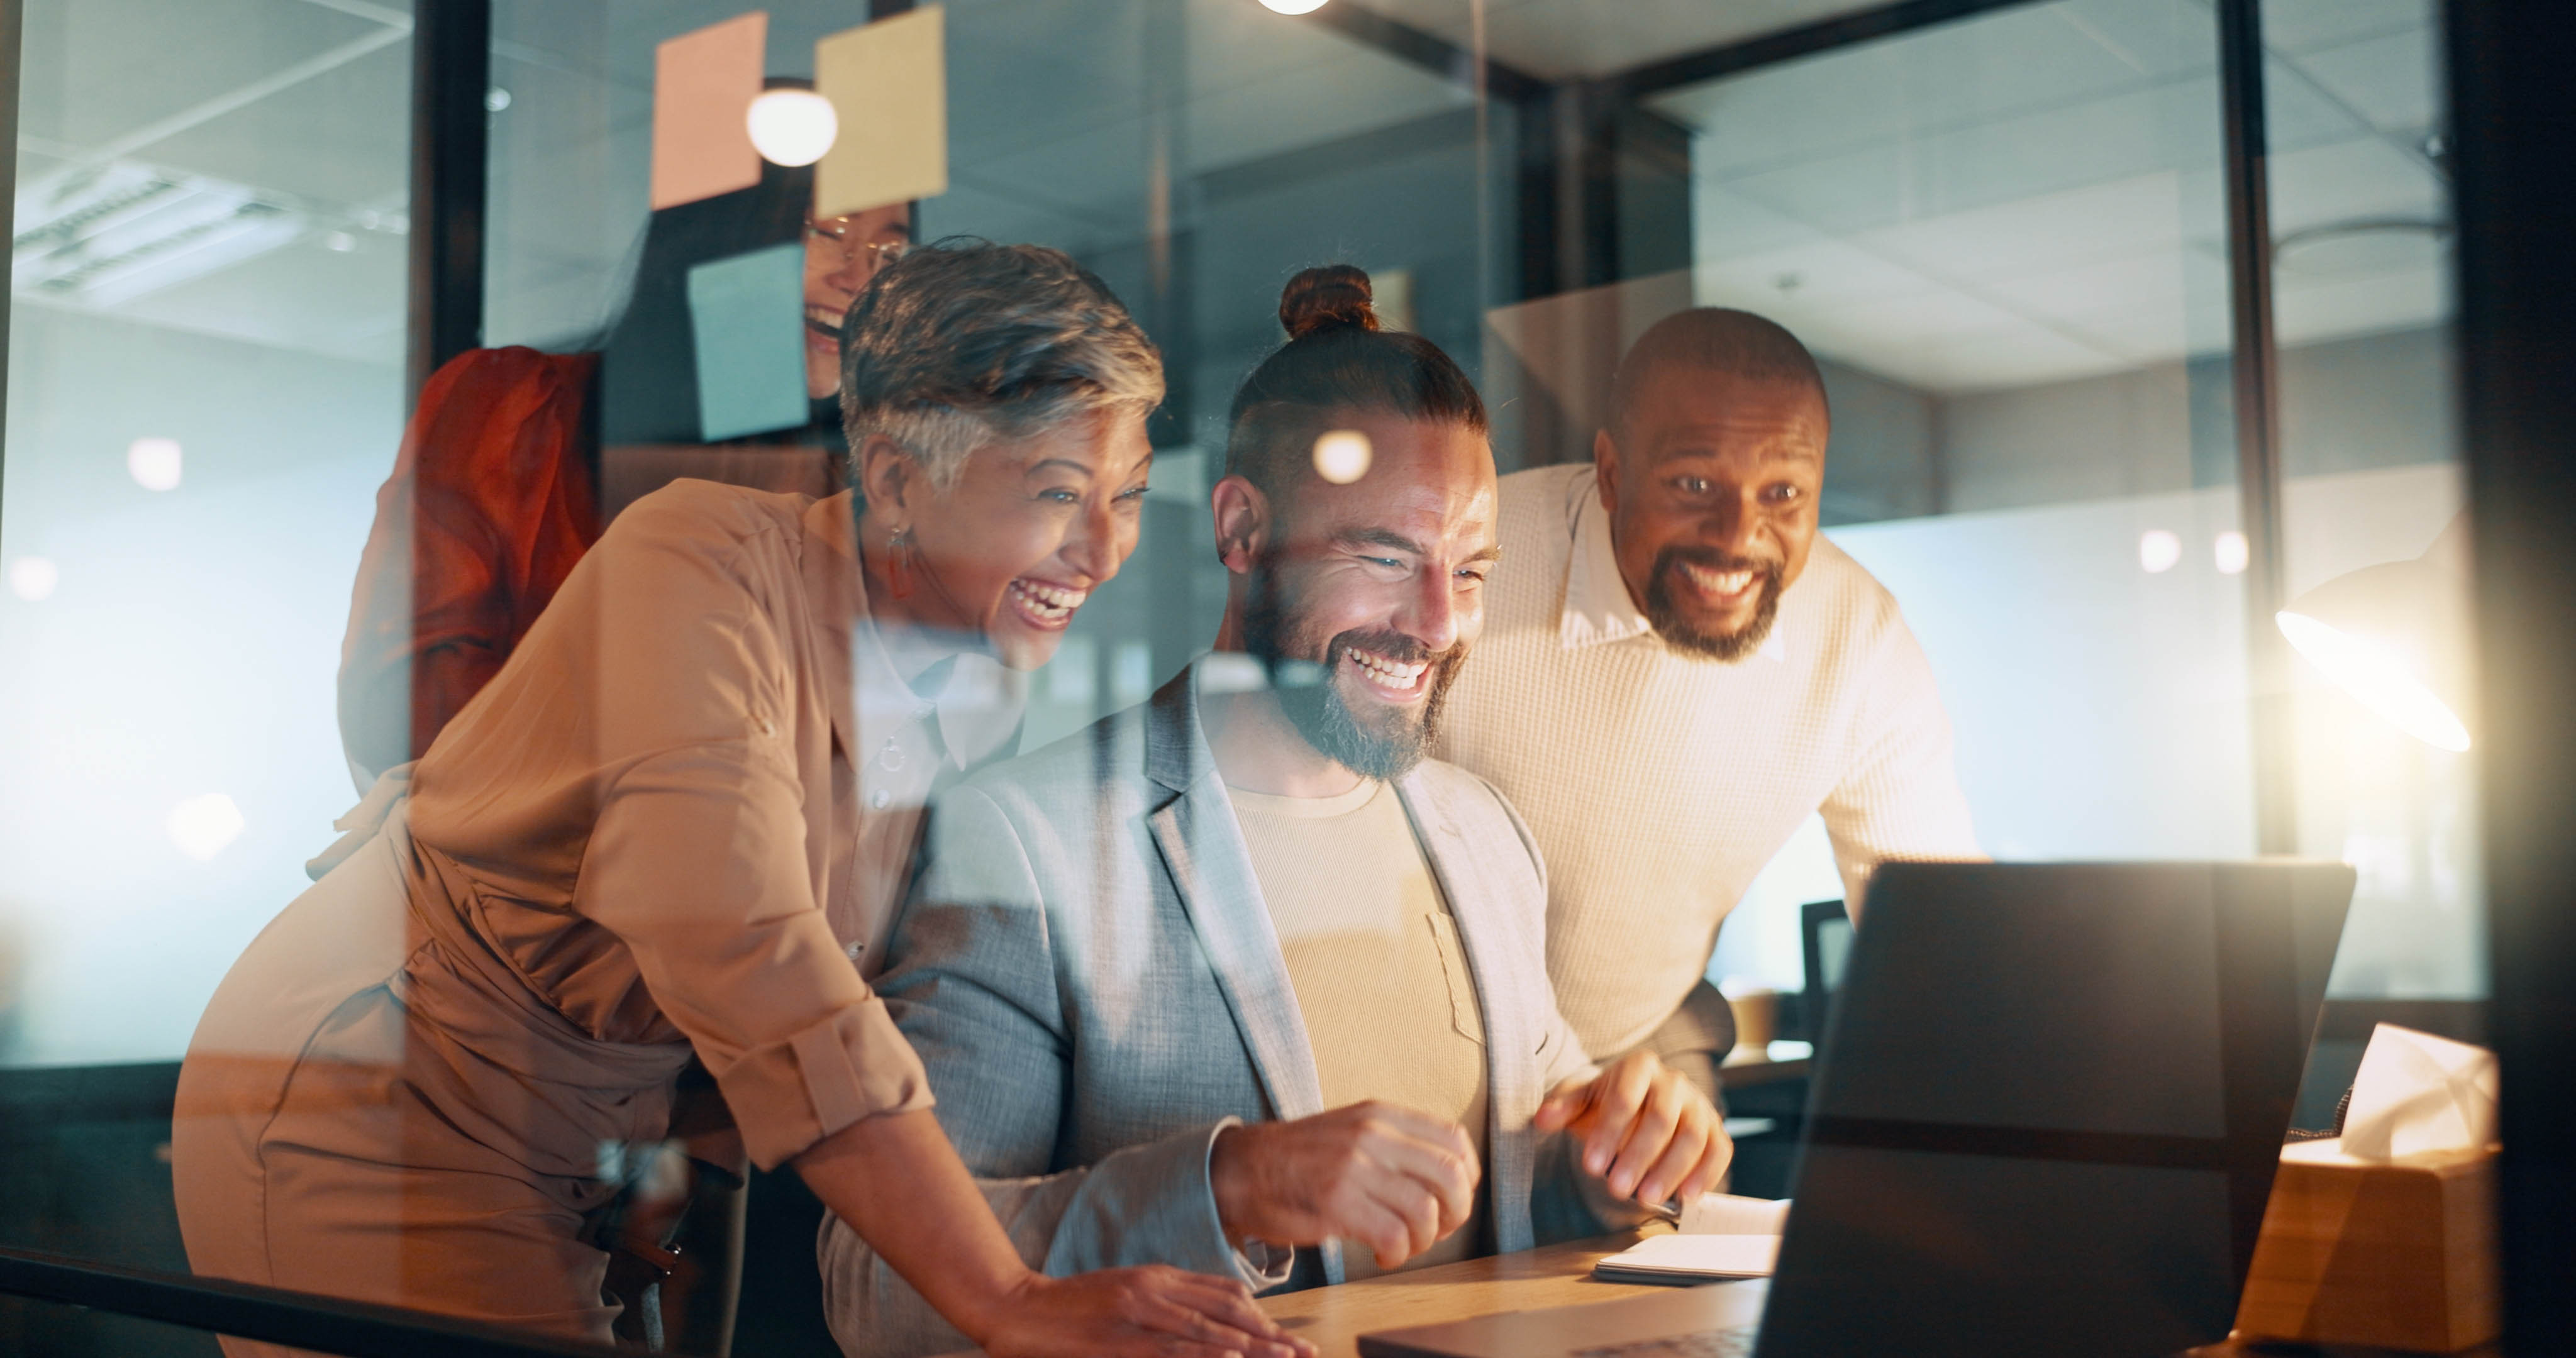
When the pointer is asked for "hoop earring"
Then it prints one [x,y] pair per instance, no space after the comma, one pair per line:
[899,553]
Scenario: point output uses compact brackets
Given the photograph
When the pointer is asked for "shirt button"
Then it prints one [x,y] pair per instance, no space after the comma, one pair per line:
[855,949]
[879,798]
[767,727]
[891,757]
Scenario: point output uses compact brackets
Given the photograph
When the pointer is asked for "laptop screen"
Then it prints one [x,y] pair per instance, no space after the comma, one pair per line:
[2048,1109]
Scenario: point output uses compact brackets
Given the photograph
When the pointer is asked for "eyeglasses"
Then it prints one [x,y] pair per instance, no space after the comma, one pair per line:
[880,253]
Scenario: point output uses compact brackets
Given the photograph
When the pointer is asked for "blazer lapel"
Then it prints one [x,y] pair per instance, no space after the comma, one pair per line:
[1211,870]
[1506,962]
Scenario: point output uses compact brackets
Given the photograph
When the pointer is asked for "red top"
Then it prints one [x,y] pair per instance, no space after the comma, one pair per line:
[492,500]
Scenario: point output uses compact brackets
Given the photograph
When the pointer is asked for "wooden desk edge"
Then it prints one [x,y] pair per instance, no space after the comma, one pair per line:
[1334,1318]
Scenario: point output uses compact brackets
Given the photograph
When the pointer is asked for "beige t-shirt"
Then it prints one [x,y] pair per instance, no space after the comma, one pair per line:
[1391,1011]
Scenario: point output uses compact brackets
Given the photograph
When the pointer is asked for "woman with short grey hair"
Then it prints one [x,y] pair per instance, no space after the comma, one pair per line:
[676,824]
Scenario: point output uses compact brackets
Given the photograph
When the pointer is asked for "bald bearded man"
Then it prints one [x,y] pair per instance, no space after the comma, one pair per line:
[1678,670]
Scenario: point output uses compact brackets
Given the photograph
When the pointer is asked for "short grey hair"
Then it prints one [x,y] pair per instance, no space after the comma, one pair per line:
[962,342]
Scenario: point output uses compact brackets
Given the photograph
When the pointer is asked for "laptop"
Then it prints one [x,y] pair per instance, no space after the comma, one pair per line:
[2044,1120]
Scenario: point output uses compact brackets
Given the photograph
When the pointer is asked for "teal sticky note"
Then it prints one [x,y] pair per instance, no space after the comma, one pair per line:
[747,314]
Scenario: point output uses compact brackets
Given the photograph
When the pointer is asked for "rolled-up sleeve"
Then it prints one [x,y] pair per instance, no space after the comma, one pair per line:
[698,860]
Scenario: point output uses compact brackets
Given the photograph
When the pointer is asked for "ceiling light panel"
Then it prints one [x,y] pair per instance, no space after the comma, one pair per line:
[100,236]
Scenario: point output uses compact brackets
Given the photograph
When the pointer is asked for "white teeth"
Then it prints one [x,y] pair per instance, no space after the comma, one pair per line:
[1720,582]
[1051,603]
[1395,675]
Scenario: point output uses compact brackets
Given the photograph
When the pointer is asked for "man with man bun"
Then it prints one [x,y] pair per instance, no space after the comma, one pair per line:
[1677,671]
[1240,981]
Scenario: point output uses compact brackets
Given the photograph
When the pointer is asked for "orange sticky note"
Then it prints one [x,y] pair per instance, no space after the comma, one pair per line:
[703,85]
[888,82]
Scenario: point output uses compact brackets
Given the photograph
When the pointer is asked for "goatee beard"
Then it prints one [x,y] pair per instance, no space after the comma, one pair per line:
[1686,638]
[1383,750]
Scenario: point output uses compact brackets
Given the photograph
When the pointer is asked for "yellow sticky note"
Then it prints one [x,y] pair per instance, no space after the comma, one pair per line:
[888,82]
[703,85]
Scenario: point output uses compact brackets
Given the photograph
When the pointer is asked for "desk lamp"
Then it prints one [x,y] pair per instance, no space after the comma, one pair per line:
[2393,637]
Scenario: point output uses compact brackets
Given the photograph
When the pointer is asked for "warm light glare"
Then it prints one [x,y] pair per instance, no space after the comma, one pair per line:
[2232,553]
[1292,6]
[792,127]
[2377,679]
[1342,456]
[2158,551]
[154,463]
[33,578]
[203,826]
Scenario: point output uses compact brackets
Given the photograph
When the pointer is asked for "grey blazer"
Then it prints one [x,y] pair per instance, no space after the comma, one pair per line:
[1088,972]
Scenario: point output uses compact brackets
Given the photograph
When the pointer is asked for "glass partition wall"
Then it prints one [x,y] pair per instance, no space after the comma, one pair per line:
[2006,236]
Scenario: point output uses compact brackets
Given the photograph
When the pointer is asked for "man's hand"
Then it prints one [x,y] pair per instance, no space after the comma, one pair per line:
[1386,1177]
[1646,1130]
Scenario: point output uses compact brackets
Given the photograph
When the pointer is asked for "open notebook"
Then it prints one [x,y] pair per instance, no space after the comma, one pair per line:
[1718,1237]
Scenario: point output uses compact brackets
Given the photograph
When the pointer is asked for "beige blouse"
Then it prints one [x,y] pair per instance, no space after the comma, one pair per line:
[685,811]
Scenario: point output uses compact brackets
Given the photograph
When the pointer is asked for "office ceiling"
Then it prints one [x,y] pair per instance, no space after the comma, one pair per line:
[2035,194]
[1919,204]
[1558,39]
[303,105]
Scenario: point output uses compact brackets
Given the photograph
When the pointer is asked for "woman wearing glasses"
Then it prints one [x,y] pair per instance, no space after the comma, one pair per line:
[516,458]
[674,826]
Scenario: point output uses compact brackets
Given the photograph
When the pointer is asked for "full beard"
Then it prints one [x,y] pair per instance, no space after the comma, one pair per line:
[1384,743]
[1685,637]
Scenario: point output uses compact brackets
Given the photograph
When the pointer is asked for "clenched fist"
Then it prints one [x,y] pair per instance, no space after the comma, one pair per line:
[1646,1130]
[1387,1177]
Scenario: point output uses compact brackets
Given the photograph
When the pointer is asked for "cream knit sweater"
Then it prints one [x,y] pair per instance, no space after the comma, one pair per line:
[1659,786]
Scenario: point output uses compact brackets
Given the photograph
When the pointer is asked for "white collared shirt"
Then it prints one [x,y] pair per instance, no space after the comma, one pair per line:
[1658,785]
[1598,607]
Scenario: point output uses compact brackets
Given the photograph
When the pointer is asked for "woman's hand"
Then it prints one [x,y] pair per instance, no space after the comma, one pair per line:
[1645,1129]
[1152,1312]
[900,1185]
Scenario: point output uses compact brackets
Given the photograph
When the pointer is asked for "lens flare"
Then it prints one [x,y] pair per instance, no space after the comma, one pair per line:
[2231,553]
[2377,679]
[1292,6]
[204,826]
[2158,551]
[1342,456]
[154,463]
[33,578]
[792,127]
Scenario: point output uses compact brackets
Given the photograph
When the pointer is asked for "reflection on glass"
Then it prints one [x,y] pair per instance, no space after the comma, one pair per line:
[603,947]
[2004,240]
[2361,212]
[2000,239]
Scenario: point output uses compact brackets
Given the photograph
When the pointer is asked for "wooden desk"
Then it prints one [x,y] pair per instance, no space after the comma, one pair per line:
[1334,1318]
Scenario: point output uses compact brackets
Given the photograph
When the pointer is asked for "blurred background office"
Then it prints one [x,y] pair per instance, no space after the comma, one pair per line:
[2006,234]
[2005,227]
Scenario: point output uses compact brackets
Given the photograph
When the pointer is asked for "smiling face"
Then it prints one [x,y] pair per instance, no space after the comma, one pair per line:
[1380,582]
[1032,526]
[1711,487]
[841,255]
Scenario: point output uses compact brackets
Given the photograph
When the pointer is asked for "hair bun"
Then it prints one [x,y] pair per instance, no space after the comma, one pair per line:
[1333,297]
